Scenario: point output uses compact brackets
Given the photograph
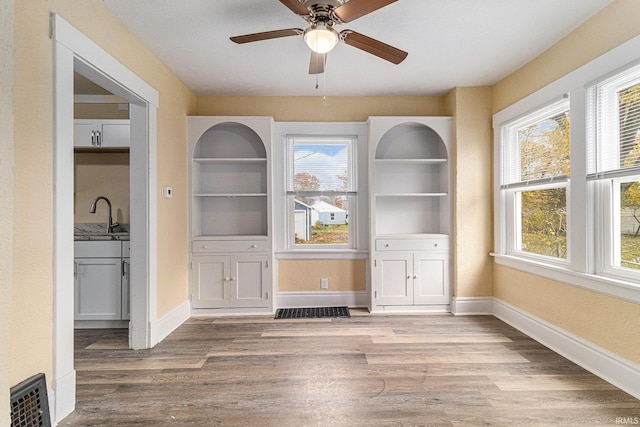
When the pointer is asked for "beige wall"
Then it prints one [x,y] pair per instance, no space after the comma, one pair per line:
[99,111]
[606,321]
[472,190]
[305,275]
[31,303]
[315,109]
[101,174]
[6,199]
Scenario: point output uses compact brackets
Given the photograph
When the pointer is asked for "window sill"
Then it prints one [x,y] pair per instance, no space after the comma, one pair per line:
[323,254]
[625,290]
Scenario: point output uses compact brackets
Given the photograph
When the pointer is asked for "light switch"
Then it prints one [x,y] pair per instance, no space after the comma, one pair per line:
[167,192]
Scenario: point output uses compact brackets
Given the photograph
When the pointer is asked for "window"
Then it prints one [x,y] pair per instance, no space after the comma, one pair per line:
[614,170]
[321,191]
[534,182]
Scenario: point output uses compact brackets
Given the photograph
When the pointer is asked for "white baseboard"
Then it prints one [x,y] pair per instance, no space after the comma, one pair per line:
[168,323]
[468,306]
[62,397]
[322,299]
[411,309]
[612,368]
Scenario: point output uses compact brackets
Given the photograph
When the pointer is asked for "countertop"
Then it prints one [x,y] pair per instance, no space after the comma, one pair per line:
[90,231]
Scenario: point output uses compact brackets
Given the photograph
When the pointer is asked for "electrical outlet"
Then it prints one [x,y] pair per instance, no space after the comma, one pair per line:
[324,283]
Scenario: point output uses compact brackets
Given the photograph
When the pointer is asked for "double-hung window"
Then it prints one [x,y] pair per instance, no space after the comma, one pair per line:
[614,171]
[534,183]
[321,191]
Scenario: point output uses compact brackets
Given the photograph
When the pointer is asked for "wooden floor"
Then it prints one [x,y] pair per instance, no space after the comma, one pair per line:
[363,371]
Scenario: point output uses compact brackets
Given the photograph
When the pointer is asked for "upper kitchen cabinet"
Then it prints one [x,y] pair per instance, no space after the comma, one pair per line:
[104,133]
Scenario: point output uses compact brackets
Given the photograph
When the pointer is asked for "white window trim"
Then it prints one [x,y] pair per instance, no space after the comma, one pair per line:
[582,271]
[281,211]
[352,194]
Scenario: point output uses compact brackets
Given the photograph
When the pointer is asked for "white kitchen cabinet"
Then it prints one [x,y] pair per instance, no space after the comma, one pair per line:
[102,133]
[410,210]
[101,281]
[230,214]
[230,281]
[98,290]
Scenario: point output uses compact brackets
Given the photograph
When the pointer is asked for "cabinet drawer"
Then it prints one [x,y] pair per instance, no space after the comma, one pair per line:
[97,249]
[426,244]
[226,246]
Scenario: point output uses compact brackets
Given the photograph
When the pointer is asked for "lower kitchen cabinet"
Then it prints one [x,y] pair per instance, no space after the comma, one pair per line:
[98,289]
[101,281]
[230,281]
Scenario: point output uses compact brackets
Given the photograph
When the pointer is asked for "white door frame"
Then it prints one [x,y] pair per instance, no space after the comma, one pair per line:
[74,51]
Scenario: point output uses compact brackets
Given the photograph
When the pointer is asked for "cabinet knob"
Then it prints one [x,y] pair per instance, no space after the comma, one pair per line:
[386,245]
[253,246]
[415,277]
[408,277]
[436,245]
[205,246]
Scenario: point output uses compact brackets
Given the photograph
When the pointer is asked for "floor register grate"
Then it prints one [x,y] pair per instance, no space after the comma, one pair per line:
[312,313]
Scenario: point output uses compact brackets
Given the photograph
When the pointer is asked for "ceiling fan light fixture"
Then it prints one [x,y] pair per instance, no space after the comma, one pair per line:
[320,38]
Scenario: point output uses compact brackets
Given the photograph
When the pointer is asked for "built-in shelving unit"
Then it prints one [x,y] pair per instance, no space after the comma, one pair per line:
[409,175]
[230,211]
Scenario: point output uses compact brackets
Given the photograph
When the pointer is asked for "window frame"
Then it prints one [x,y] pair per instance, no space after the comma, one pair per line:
[585,196]
[358,217]
[511,186]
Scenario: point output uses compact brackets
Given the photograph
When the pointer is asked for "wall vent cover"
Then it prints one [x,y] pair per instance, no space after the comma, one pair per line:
[29,403]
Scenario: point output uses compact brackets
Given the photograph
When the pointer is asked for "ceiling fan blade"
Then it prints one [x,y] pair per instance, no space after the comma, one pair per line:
[296,7]
[373,46]
[317,63]
[248,38]
[354,9]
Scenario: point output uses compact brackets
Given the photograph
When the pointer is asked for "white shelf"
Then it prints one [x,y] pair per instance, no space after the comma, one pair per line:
[221,160]
[412,195]
[411,161]
[232,195]
[227,237]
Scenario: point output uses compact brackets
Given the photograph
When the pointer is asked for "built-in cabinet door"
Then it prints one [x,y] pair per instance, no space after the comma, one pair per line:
[249,281]
[210,287]
[393,282]
[98,289]
[126,289]
[431,278]
[84,134]
[115,135]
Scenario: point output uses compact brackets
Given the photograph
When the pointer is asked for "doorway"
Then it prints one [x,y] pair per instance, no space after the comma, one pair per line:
[74,52]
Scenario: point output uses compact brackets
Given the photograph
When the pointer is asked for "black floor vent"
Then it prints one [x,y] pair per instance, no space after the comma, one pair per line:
[29,403]
[312,313]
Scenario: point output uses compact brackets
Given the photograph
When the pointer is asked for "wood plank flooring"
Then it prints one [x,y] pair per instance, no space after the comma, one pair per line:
[434,370]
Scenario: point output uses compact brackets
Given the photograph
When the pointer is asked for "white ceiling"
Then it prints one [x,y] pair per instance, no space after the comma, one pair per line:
[450,43]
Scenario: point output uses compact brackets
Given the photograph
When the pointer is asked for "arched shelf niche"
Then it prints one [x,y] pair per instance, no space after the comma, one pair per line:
[229,183]
[411,181]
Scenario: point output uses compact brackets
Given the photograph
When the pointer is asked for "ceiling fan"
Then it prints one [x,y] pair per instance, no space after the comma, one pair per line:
[321,35]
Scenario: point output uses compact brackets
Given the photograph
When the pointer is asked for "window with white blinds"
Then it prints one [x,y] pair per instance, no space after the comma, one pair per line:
[613,131]
[536,148]
[321,191]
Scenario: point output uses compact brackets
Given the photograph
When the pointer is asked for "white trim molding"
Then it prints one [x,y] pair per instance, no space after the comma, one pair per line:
[612,368]
[162,327]
[322,299]
[470,306]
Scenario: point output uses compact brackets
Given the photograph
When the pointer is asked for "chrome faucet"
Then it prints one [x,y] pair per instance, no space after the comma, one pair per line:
[92,209]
